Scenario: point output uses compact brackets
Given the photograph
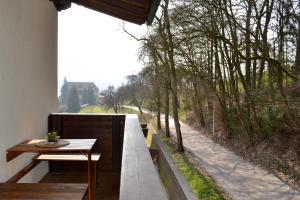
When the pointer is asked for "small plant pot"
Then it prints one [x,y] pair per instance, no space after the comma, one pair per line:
[52,141]
[52,138]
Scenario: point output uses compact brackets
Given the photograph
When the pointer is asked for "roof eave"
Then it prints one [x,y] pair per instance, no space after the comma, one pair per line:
[152,11]
[65,4]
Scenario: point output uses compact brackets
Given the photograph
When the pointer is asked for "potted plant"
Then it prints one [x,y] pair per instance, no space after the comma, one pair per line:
[52,137]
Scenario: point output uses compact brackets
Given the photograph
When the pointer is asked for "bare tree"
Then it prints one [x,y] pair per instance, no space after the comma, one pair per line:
[111,98]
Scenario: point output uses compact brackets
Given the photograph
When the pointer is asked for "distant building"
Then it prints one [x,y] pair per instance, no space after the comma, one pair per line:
[82,88]
[88,94]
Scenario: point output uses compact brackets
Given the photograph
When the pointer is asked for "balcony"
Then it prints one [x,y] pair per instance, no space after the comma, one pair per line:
[125,170]
[29,94]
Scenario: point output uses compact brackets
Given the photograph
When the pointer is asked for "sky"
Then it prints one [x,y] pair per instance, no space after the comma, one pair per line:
[93,47]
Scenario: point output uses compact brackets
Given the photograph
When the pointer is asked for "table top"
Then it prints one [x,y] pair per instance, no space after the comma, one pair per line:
[76,145]
[42,191]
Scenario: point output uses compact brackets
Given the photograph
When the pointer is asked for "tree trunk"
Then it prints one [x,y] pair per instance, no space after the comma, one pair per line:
[175,105]
[297,57]
[219,79]
[175,110]
[248,54]
[198,105]
[140,109]
[158,96]
[167,108]
[158,122]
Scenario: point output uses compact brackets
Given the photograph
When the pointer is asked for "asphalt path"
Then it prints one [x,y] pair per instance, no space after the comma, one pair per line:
[240,179]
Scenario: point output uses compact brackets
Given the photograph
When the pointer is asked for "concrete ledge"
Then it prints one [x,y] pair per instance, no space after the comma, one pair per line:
[175,184]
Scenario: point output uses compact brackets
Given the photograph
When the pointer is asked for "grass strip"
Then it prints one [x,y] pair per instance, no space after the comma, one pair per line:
[201,185]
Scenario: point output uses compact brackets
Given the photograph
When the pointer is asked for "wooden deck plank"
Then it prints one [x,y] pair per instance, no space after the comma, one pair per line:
[42,191]
[106,189]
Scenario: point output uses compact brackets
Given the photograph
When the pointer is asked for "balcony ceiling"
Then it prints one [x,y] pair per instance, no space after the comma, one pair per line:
[135,11]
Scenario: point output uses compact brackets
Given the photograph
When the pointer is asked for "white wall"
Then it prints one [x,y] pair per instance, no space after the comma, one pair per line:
[28,78]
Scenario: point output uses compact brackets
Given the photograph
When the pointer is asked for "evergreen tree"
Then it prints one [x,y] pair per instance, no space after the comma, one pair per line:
[63,92]
[73,101]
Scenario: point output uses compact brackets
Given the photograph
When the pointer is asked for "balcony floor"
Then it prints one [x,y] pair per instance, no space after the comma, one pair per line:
[107,186]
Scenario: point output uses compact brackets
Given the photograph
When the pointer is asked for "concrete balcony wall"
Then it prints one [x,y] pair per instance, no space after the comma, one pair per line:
[28,78]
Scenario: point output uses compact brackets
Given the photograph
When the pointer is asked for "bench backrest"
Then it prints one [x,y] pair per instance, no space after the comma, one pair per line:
[108,129]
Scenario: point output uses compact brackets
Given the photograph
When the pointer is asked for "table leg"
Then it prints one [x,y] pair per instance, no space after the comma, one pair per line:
[90,194]
[95,175]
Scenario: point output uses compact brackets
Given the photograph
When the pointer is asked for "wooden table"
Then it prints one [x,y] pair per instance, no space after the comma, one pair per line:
[82,146]
[43,191]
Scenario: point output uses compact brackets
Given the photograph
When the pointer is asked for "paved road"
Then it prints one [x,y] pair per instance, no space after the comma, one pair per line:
[241,179]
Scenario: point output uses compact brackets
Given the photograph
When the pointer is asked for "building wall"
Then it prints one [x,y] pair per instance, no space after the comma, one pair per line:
[28,78]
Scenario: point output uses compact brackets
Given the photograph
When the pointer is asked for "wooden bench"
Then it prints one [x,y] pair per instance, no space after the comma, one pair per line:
[43,191]
[71,157]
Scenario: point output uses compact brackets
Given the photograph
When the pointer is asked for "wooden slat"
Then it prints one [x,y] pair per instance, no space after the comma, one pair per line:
[109,132]
[67,157]
[42,191]
[116,144]
[84,145]
[23,172]
[11,155]
[107,182]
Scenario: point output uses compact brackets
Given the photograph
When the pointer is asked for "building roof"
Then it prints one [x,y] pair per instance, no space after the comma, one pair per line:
[135,11]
